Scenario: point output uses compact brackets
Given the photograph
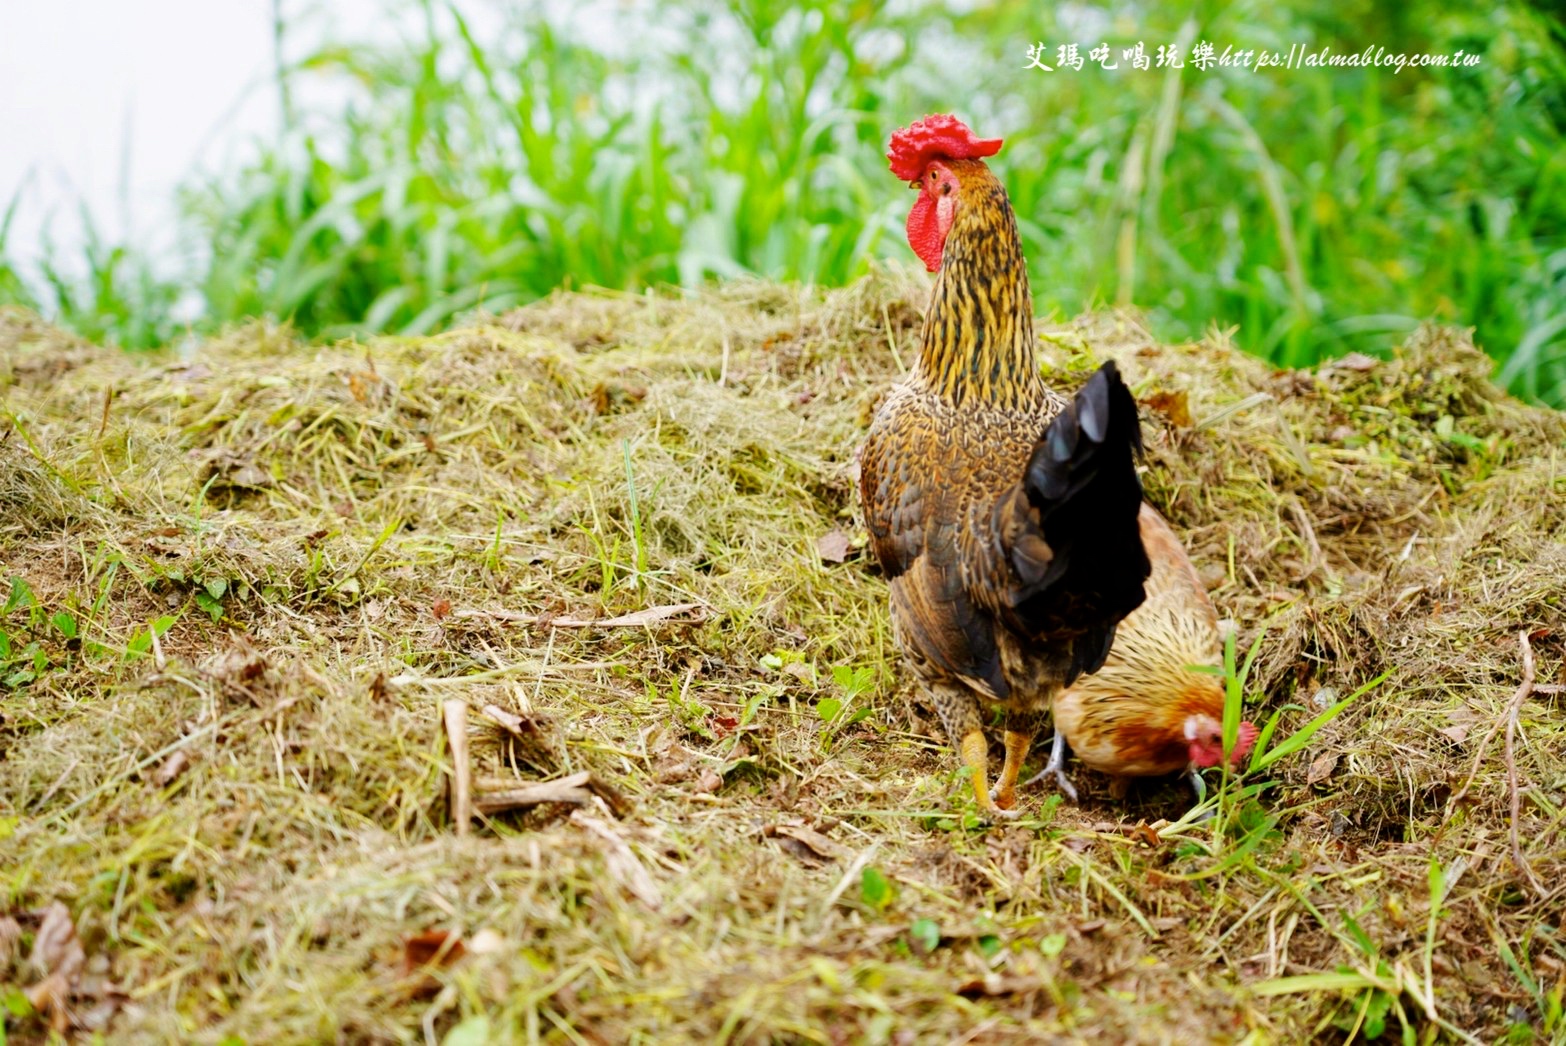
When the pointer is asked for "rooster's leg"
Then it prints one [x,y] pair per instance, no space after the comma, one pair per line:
[1056,766]
[959,713]
[976,755]
[1020,731]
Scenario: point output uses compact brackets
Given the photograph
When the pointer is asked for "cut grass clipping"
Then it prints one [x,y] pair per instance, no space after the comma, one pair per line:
[531,682]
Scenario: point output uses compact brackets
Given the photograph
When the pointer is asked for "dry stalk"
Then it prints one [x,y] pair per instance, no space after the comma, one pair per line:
[454,711]
[1513,712]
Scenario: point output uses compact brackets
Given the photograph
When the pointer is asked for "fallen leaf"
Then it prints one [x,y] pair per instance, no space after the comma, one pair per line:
[800,670]
[1146,834]
[995,984]
[1321,768]
[709,781]
[172,768]
[431,948]
[1175,405]
[10,937]
[811,840]
[510,721]
[621,861]
[1077,843]
[57,960]
[1357,361]
[1457,734]
[440,608]
[833,546]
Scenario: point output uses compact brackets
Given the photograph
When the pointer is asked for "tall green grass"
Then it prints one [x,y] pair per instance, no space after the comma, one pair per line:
[1317,210]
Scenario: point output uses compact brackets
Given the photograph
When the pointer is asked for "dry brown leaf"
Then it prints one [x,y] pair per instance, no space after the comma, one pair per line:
[431,948]
[709,781]
[814,843]
[801,671]
[1146,833]
[833,546]
[1175,405]
[56,948]
[10,937]
[1321,768]
[172,768]
[1457,734]
[57,960]
[621,861]
[996,984]
[1357,361]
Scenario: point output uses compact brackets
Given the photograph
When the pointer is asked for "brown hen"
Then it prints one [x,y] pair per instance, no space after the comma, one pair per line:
[1151,709]
[1004,517]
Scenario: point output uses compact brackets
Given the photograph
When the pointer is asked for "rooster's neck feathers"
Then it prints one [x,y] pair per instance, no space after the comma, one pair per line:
[978,334]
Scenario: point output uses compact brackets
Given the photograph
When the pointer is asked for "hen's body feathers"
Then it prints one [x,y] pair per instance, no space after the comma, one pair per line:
[1128,719]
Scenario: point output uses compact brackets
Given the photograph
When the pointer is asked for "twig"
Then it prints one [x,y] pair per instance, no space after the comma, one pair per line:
[454,711]
[1513,713]
[576,790]
[108,401]
[1318,561]
[158,660]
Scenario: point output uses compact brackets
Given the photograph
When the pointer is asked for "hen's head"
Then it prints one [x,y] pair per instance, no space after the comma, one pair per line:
[1204,735]
[922,155]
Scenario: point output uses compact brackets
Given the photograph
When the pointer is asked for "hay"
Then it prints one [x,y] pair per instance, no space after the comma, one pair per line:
[247,818]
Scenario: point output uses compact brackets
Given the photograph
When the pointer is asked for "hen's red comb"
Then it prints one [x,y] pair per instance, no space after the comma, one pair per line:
[940,135]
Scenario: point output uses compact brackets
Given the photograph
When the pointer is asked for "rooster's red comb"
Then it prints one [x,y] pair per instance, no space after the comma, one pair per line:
[940,135]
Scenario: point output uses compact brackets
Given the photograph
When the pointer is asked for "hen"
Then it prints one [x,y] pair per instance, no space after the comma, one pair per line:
[1148,711]
[1004,517]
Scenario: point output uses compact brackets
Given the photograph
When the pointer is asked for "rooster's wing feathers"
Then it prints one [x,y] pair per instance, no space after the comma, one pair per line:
[916,537]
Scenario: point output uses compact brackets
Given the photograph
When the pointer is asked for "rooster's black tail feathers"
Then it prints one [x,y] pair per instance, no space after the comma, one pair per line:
[1082,482]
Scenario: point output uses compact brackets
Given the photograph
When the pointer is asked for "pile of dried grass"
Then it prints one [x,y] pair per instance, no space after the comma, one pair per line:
[243,809]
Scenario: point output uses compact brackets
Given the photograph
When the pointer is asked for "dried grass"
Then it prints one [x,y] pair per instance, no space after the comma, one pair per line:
[391,525]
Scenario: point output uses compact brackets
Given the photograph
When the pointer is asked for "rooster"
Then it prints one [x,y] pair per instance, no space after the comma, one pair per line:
[1150,710]
[1003,516]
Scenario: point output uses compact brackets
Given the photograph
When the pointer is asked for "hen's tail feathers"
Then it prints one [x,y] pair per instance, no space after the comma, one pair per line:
[1077,556]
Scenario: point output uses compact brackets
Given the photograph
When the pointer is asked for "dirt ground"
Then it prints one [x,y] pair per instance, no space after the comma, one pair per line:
[249,582]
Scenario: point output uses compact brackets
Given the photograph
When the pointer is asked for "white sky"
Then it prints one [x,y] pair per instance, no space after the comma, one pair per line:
[180,84]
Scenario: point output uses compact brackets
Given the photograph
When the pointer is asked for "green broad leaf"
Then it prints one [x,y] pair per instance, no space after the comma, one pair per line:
[875,889]
[828,709]
[217,587]
[1052,944]
[65,623]
[21,595]
[926,934]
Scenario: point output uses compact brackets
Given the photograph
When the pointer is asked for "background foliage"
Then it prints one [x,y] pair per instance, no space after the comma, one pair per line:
[1317,210]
